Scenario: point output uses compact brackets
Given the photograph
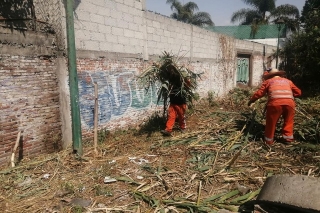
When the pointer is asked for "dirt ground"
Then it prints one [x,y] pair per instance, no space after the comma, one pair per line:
[219,163]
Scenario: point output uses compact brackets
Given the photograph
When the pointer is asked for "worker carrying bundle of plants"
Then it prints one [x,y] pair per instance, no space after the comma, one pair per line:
[176,88]
[178,101]
[281,93]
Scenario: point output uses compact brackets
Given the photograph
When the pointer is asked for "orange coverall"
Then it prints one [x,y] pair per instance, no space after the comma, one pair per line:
[177,109]
[174,111]
[281,93]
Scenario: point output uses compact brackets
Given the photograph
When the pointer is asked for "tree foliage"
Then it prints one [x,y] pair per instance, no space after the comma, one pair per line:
[187,13]
[266,12]
[302,51]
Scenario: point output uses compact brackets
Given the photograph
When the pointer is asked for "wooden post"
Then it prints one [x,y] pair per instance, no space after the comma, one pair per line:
[95,139]
[15,149]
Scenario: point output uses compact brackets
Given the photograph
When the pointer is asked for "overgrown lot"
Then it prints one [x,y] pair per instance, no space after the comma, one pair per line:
[219,163]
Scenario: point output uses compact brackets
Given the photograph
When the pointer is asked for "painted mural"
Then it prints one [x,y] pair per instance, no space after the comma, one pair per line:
[118,92]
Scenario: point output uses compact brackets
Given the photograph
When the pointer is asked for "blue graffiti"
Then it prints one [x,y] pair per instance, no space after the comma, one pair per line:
[117,92]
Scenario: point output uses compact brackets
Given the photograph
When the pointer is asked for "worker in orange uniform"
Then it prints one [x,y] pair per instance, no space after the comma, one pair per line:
[177,109]
[281,93]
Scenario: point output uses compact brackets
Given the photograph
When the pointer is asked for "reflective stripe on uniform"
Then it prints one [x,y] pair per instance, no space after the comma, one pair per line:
[280,91]
[268,139]
[287,137]
[281,94]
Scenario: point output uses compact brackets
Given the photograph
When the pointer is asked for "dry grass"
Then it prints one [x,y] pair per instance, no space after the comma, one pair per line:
[220,163]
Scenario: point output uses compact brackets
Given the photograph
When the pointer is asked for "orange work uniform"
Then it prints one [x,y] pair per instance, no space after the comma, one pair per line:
[177,109]
[281,93]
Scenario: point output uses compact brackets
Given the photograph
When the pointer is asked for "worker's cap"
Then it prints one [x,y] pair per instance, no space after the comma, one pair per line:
[274,72]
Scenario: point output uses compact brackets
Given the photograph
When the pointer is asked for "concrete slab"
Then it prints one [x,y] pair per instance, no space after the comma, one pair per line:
[296,193]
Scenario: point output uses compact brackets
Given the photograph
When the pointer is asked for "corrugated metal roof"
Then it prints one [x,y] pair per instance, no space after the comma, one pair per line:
[244,31]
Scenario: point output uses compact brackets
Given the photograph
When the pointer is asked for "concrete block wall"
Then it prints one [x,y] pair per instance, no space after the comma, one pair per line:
[110,26]
[164,34]
[29,99]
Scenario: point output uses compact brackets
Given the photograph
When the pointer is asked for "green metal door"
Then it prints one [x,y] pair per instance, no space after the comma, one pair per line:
[243,71]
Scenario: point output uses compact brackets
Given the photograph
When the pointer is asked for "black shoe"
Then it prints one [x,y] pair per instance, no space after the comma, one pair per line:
[165,133]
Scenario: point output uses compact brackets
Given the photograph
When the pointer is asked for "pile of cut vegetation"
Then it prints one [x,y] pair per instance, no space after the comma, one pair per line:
[219,163]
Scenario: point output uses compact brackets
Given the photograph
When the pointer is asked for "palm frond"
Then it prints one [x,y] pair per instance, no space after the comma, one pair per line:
[259,13]
[167,74]
[245,16]
[286,10]
[191,6]
[202,19]
[186,13]
[261,5]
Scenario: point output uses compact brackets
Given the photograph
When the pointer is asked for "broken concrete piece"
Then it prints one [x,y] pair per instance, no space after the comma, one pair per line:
[296,192]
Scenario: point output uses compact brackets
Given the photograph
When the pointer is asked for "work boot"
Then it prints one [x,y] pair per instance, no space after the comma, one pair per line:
[269,143]
[165,133]
[287,142]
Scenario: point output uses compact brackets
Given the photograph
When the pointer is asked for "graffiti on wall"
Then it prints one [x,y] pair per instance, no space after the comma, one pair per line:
[118,92]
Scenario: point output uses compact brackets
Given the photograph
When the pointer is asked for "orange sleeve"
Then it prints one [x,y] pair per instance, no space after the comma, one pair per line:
[295,90]
[265,73]
[260,92]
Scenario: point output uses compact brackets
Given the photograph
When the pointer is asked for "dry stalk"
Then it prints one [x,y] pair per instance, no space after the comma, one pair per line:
[231,162]
[237,137]
[121,209]
[197,141]
[164,183]
[310,118]
[211,170]
[199,192]
[15,149]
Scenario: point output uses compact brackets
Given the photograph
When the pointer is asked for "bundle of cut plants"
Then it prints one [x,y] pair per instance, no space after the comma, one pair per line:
[170,77]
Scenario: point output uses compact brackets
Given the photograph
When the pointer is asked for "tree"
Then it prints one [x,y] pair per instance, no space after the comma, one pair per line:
[265,12]
[186,13]
[302,51]
[310,7]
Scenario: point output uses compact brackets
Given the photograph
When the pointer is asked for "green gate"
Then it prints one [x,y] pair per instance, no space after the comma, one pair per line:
[243,71]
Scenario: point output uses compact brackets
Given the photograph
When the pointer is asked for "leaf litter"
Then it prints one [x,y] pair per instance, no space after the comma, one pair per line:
[219,164]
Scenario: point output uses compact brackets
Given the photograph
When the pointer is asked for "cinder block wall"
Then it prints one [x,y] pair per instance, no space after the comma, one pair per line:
[29,98]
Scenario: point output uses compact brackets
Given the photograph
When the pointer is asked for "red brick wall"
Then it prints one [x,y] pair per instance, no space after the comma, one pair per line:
[29,102]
